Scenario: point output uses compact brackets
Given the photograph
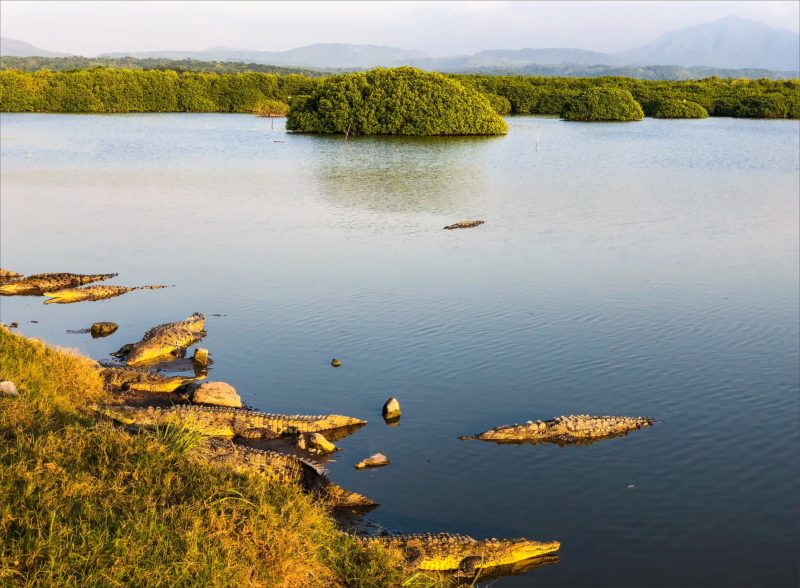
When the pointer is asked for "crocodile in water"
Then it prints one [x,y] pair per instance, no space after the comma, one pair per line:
[38,284]
[92,293]
[460,553]
[167,339]
[565,429]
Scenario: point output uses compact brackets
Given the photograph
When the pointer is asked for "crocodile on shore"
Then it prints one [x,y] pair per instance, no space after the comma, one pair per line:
[565,429]
[139,380]
[222,421]
[167,339]
[40,283]
[460,553]
[92,293]
[286,469]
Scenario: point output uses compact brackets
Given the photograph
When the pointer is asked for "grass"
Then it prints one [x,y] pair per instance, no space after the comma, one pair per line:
[85,503]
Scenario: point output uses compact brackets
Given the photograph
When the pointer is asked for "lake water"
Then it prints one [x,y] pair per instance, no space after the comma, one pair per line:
[644,268]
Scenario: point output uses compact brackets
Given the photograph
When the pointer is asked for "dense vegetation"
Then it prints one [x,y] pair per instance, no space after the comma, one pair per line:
[85,503]
[602,104]
[649,72]
[398,101]
[129,90]
[720,97]
[31,64]
[674,108]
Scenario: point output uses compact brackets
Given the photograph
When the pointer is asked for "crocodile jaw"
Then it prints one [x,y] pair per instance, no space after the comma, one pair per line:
[521,550]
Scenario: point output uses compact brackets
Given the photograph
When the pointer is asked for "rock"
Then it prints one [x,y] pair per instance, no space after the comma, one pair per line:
[336,363]
[6,274]
[217,393]
[391,409]
[103,329]
[315,443]
[200,356]
[7,388]
[373,461]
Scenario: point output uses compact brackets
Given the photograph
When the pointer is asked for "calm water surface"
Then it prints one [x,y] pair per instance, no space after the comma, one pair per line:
[644,269]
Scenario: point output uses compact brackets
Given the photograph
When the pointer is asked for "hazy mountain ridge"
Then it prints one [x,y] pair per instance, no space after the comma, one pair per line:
[730,43]
[16,48]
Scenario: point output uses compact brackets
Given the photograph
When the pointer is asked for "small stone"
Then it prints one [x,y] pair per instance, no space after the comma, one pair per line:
[631,486]
[391,409]
[200,356]
[103,329]
[315,443]
[336,363]
[13,325]
[218,394]
[7,388]
[373,461]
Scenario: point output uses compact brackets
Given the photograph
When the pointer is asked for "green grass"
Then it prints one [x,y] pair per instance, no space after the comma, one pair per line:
[85,503]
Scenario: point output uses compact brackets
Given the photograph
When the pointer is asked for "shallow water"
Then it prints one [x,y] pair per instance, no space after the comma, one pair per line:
[644,269]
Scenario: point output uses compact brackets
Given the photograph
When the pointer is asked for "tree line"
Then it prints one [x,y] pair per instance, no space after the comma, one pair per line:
[155,90]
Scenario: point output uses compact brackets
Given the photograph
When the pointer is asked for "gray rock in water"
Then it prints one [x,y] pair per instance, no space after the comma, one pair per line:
[373,461]
[336,363]
[103,329]
[7,388]
[391,410]
[218,394]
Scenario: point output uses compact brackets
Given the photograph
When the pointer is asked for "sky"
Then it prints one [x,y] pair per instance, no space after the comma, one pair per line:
[435,28]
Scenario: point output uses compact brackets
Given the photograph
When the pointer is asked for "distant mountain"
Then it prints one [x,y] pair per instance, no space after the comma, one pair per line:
[320,55]
[732,42]
[507,58]
[728,44]
[15,48]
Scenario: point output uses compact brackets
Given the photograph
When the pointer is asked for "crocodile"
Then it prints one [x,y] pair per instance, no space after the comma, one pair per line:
[287,469]
[223,421]
[444,552]
[565,429]
[167,339]
[139,380]
[38,284]
[92,293]
[465,224]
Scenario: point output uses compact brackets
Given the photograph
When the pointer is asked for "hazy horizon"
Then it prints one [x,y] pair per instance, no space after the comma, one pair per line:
[434,28]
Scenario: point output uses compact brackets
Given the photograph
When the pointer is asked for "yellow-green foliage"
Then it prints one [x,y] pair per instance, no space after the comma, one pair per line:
[87,504]
[674,108]
[271,108]
[394,101]
[603,104]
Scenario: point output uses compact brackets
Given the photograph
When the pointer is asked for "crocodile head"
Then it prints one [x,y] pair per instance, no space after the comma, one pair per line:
[492,553]
[126,415]
[143,352]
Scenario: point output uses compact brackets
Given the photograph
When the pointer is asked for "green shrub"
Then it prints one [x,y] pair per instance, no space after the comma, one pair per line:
[500,104]
[672,108]
[398,101]
[603,104]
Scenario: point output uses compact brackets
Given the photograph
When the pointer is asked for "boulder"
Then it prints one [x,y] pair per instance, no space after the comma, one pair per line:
[7,388]
[391,410]
[200,356]
[218,394]
[336,363]
[315,443]
[103,329]
[373,461]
